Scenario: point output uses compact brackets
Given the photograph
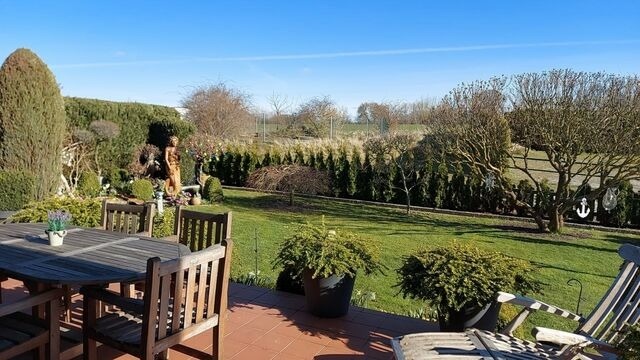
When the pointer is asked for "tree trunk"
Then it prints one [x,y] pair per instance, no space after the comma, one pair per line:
[291,198]
[556,220]
[408,195]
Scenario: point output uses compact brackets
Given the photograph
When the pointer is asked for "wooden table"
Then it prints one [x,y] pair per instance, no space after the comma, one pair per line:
[87,256]
[471,344]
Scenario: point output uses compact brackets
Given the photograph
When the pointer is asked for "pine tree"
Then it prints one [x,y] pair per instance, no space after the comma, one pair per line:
[438,185]
[32,120]
[237,170]
[346,175]
[456,190]
[249,162]
[365,186]
[331,169]
[266,160]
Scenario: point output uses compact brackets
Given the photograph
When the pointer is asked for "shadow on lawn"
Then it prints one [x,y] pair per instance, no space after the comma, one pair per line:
[379,219]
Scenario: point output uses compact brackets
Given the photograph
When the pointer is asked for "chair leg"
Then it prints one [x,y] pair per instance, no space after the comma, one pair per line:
[53,318]
[89,314]
[217,343]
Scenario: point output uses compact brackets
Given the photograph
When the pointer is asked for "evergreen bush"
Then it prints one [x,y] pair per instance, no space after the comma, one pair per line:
[32,120]
[212,190]
[84,212]
[88,184]
[142,189]
[163,224]
[16,189]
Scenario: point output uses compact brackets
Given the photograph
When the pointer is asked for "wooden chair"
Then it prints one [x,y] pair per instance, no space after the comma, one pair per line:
[182,298]
[20,332]
[199,230]
[128,219]
[618,309]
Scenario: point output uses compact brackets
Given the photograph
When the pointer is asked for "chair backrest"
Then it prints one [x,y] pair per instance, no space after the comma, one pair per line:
[185,296]
[128,219]
[199,230]
[619,307]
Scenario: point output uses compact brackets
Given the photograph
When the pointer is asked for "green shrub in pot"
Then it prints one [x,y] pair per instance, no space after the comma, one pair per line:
[330,258]
[460,280]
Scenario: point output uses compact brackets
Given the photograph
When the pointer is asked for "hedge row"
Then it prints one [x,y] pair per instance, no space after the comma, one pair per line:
[139,124]
[354,177]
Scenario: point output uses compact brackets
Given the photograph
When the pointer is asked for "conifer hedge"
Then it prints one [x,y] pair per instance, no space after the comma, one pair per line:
[139,124]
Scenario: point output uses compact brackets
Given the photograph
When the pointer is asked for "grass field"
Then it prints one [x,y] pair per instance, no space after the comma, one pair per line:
[589,256]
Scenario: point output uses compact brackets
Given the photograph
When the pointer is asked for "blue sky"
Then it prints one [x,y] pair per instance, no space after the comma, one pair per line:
[352,51]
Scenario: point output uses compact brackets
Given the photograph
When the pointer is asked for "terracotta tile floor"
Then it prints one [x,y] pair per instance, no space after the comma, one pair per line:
[265,324]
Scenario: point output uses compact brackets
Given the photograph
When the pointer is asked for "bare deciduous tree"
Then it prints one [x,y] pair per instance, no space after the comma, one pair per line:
[401,152]
[587,124]
[386,116]
[219,110]
[319,116]
[290,178]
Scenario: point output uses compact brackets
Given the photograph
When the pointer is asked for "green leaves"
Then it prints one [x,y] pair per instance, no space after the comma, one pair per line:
[459,276]
[328,252]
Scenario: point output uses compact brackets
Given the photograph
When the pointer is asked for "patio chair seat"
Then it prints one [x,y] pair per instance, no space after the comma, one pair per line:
[21,332]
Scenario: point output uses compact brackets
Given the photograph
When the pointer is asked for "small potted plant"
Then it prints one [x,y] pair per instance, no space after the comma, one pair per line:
[327,261]
[460,283]
[57,230]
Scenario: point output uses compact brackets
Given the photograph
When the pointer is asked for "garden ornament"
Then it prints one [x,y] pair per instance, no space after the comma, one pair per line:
[583,211]
[172,162]
[610,199]
[489,181]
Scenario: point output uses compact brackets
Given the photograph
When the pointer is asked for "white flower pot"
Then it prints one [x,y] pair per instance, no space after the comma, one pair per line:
[56,237]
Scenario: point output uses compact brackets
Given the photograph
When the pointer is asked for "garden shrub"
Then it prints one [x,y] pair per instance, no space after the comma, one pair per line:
[118,178]
[84,212]
[142,189]
[16,189]
[139,124]
[212,190]
[32,120]
[88,184]
[163,224]
[460,276]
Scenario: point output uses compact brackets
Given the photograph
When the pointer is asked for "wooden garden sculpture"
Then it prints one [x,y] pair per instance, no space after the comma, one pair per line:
[172,162]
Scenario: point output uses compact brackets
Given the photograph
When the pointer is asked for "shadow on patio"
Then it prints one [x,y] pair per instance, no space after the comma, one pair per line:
[265,324]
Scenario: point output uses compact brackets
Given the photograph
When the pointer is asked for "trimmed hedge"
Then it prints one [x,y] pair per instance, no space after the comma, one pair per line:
[16,189]
[139,124]
[84,212]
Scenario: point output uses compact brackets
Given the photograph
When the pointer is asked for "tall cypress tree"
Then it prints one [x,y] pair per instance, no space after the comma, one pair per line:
[365,186]
[438,185]
[32,120]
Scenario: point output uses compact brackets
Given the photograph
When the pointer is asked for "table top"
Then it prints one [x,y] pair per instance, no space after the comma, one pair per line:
[87,256]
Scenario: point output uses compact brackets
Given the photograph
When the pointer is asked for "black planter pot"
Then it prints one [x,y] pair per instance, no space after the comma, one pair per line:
[328,297]
[484,319]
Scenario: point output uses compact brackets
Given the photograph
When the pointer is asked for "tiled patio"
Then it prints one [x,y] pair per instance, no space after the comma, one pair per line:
[265,324]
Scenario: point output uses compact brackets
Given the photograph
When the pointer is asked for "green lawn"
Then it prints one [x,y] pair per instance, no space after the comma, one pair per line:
[589,256]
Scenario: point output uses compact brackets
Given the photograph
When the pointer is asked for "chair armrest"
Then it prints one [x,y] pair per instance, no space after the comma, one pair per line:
[31,301]
[532,304]
[529,306]
[562,338]
[125,303]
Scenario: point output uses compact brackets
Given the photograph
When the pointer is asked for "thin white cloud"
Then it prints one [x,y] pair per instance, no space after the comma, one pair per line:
[334,55]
